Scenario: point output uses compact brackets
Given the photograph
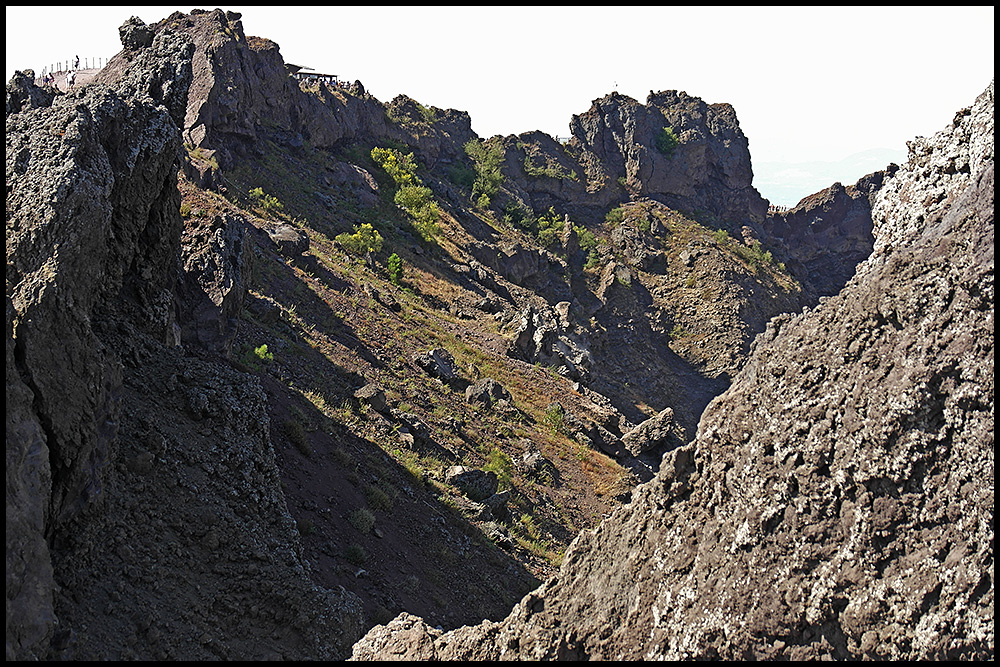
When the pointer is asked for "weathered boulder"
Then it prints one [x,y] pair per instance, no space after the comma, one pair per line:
[534,464]
[373,396]
[438,363]
[650,433]
[477,484]
[290,241]
[485,392]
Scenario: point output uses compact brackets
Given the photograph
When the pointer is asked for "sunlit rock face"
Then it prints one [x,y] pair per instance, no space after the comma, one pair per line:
[838,498]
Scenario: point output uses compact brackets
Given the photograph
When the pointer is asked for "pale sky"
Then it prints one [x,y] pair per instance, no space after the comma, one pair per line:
[807,83]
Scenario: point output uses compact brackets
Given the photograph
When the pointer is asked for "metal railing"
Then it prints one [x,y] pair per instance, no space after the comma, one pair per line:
[73,64]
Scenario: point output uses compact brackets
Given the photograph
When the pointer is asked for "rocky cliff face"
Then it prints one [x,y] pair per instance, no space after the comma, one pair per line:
[838,499]
[145,515]
[825,237]
[614,155]
[97,521]
[709,169]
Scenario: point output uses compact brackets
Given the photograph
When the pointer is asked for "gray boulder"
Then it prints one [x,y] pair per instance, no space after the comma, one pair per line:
[477,484]
[438,363]
[373,396]
[290,241]
[650,433]
[486,392]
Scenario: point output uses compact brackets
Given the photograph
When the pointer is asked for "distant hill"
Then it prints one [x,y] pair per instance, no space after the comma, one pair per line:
[785,183]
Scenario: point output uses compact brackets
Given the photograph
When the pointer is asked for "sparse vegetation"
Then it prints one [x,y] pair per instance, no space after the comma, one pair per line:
[362,519]
[395,267]
[667,141]
[365,239]
[269,204]
[487,156]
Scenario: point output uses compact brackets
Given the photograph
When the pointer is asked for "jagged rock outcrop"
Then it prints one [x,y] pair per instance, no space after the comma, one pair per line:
[827,234]
[649,433]
[437,135]
[22,93]
[838,499]
[547,335]
[213,282]
[241,93]
[708,170]
[99,480]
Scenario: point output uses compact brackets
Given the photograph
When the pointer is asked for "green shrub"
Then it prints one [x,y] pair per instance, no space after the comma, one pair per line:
[549,228]
[402,168]
[362,519]
[555,417]
[487,156]
[586,237]
[355,553]
[666,141]
[461,175]
[721,236]
[297,436]
[615,216]
[365,239]
[413,197]
[378,498]
[419,203]
[395,269]
[502,466]
[754,255]
[267,203]
[519,216]
[263,354]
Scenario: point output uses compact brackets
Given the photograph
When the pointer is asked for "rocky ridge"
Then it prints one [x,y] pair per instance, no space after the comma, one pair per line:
[813,516]
[93,254]
[159,315]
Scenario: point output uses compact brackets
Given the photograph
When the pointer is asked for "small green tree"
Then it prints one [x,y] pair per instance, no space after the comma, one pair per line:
[487,156]
[615,216]
[395,269]
[550,228]
[666,141]
[365,239]
[402,168]
[267,203]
